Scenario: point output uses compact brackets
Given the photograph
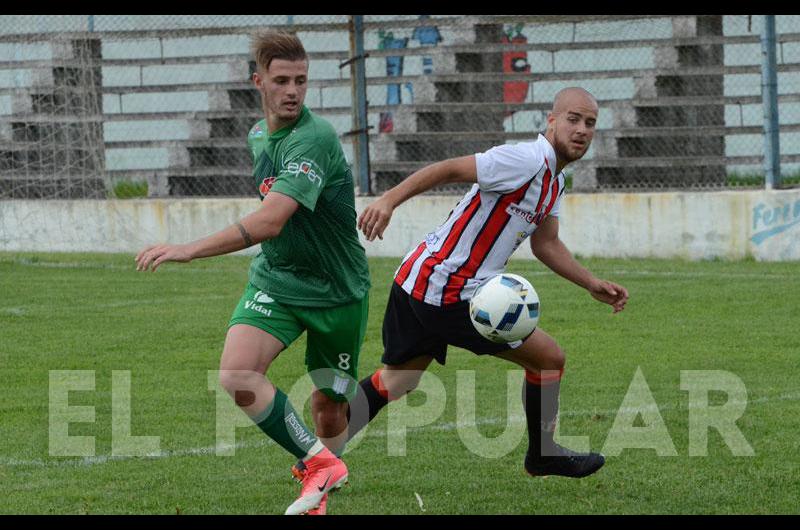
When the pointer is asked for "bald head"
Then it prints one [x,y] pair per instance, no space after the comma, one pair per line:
[572,96]
[571,123]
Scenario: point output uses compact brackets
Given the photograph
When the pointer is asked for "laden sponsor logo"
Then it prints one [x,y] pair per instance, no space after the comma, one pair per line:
[518,212]
[306,168]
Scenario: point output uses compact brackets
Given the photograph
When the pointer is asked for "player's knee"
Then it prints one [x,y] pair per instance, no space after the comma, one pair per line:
[326,412]
[227,380]
[238,390]
[322,405]
[555,359]
[237,383]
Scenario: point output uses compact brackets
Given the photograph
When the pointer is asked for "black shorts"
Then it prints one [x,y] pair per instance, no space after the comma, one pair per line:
[412,328]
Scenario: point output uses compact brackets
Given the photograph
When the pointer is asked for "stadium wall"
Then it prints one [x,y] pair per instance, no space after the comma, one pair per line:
[764,225]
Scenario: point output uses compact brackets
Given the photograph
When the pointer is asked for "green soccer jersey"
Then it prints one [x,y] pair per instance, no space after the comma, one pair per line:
[317,260]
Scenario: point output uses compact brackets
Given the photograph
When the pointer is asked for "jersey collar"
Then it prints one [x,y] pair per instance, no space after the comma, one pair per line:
[551,152]
[286,129]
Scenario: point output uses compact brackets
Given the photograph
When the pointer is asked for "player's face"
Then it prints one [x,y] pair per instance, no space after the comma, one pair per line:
[574,128]
[283,90]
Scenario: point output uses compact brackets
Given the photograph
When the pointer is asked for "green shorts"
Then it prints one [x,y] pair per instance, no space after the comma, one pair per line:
[334,340]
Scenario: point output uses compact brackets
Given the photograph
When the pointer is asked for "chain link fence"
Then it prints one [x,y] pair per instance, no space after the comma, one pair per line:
[160,105]
[679,96]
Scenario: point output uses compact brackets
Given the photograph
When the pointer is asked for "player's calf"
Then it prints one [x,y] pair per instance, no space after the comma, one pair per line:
[385,385]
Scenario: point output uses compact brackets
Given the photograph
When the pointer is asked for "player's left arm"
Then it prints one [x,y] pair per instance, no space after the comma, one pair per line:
[550,250]
[265,223]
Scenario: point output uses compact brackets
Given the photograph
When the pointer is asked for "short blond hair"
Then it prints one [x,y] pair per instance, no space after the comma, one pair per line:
[269,44]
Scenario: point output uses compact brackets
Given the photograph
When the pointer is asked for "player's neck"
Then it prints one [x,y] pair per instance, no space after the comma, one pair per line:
[275,123]
[560,162]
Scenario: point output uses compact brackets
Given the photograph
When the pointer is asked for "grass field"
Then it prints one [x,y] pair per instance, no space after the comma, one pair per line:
[94,312]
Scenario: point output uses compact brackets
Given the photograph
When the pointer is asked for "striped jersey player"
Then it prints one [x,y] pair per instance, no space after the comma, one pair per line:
[517,189]
[516,196]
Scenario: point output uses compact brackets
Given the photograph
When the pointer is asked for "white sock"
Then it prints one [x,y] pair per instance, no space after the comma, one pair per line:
[315,449]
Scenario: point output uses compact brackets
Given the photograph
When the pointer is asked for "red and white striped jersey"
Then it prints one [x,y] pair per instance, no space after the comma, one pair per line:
[516,190]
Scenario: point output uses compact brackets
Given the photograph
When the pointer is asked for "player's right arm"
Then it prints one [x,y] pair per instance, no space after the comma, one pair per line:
[375,218]
[265,223]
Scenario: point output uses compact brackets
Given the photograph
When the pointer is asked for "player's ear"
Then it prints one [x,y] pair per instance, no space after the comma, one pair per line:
[551,120]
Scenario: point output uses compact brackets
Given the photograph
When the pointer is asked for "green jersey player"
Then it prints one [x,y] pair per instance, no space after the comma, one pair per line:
[311,274]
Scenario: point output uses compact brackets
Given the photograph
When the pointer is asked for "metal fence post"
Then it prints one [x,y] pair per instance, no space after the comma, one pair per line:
[769,95]
[358,78]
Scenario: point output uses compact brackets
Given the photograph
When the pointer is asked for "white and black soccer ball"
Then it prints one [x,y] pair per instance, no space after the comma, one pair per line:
[505,308]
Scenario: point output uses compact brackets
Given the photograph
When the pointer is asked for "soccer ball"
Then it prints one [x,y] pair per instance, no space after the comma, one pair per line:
[505,308]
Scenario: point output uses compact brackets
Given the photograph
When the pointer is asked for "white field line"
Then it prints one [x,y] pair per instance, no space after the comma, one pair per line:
[448,426]
[111,266]
[172,300]
[19,311]
[696,274]
[620,272]
[582,413]
[152,302]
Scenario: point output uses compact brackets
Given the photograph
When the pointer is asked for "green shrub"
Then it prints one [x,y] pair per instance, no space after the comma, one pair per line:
[129,190]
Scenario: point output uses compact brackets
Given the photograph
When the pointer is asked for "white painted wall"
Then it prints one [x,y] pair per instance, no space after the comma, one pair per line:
[703,225]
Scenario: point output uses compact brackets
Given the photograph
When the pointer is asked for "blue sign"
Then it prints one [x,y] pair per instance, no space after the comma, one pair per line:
[770,221]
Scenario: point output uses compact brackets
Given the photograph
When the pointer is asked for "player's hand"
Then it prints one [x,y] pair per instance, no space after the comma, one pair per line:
[155,255]
[375,218]
[610,293]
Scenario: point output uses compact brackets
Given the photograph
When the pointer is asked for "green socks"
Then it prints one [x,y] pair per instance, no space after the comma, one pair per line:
[284,425]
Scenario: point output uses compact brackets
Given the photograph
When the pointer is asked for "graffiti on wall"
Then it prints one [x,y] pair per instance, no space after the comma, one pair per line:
[427,35]
[515,61]
[771,220]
